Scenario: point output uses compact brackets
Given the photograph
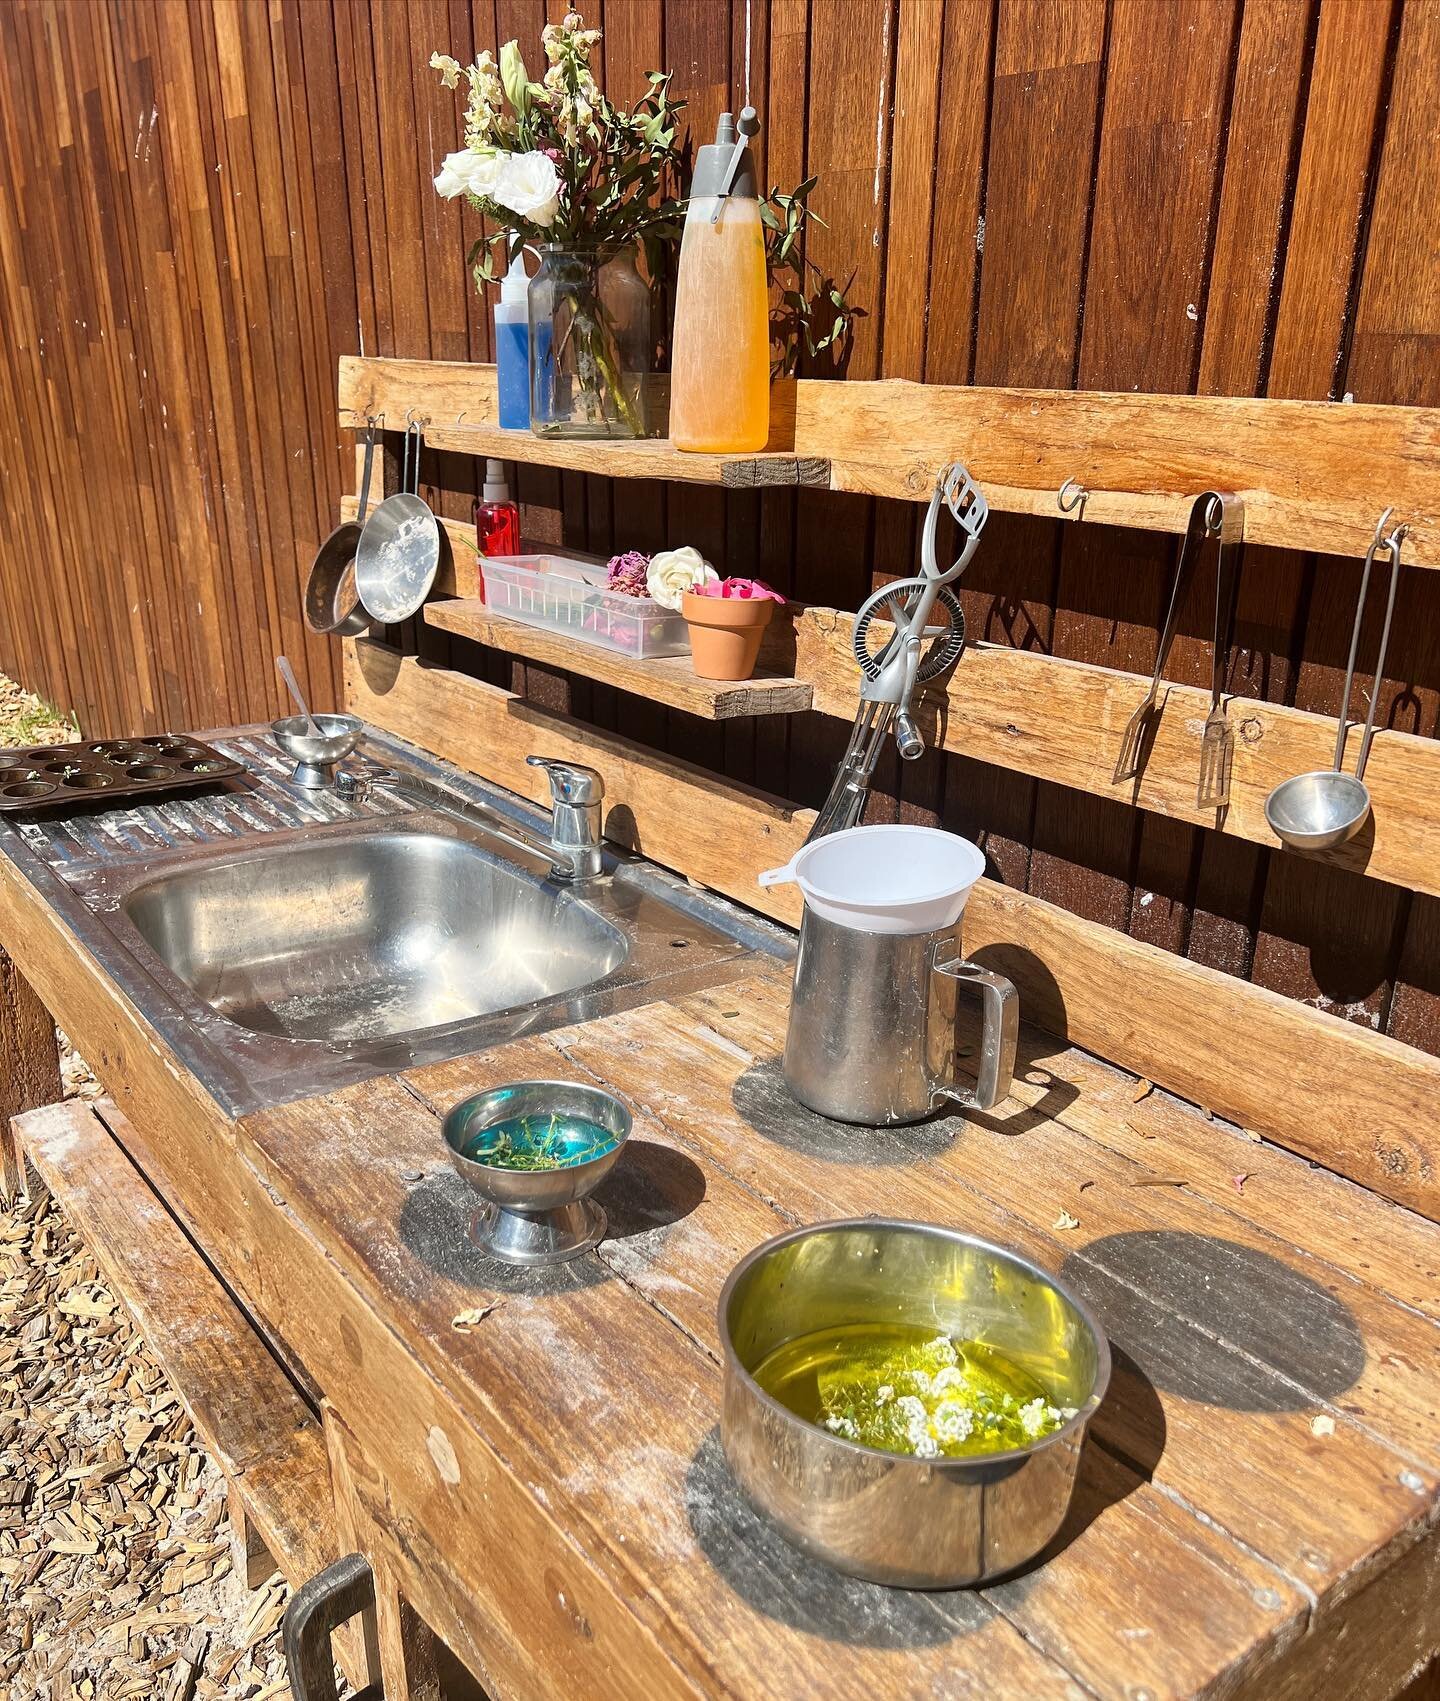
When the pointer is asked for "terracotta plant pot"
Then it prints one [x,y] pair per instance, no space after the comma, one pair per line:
[725,633]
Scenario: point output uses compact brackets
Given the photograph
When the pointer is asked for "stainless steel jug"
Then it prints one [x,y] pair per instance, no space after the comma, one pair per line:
[872,1024]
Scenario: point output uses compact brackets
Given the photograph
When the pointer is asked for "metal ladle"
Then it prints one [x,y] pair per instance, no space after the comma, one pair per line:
[1319,810]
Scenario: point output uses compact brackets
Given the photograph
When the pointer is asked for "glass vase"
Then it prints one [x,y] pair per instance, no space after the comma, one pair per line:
[589,342]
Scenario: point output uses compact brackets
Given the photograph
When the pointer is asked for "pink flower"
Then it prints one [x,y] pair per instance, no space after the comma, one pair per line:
[747,589]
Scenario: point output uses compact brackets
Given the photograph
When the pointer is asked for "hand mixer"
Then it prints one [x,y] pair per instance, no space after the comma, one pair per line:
[888,679]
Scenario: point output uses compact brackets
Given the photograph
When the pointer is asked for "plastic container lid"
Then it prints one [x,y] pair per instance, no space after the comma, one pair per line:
[885,879]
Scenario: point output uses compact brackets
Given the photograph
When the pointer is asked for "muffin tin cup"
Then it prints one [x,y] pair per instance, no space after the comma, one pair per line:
[52,776]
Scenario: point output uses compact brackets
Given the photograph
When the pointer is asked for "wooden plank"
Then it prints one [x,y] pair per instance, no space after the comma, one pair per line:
[1344,104]
[667,679]
[244,1408]
[1062,720]
[640,458]
[29,1057]
[457,401]
[1313,475]
[1342,1094]
[1350,1098]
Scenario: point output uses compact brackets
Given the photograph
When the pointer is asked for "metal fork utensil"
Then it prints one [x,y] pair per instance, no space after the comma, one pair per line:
[917,650]
[1224,520]
[1135,741]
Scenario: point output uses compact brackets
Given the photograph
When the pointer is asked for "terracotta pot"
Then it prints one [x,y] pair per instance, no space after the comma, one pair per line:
[725,633]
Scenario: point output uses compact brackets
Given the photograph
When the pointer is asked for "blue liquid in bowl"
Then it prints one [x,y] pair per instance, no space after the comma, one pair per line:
[541,1142]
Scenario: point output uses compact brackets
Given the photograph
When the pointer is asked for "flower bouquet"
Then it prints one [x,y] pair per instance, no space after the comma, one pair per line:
[555,166]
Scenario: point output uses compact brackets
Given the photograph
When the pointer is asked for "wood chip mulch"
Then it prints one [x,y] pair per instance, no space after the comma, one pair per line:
[115,1561]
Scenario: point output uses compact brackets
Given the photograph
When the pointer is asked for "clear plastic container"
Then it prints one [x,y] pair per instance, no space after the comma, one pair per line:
[567,593]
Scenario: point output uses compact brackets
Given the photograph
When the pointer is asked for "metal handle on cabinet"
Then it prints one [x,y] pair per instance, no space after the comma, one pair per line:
[316,1611]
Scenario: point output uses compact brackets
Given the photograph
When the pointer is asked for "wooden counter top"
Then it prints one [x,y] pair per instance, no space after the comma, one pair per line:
[1268,1448]
[1256,1508]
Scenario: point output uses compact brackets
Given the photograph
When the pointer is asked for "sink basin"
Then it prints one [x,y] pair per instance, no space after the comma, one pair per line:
[365,937]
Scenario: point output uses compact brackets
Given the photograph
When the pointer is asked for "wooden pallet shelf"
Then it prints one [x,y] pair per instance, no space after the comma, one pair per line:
[641,458]
[458,403]
[670,680]
[1063,721]
[1313,475]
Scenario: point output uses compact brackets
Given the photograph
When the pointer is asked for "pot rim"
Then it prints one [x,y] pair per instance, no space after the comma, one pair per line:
[1010,1455]
[767,603]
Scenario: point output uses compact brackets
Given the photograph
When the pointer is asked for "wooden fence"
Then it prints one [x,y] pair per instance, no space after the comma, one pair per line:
[205,203]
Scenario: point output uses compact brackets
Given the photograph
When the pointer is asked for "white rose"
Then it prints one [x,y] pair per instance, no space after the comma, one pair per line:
[674,571]
[468,172]
[529,186]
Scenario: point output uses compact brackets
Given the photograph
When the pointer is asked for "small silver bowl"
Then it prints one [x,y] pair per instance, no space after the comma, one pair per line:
[1318,811]
[891,1518]
[315,758]
[536,1216]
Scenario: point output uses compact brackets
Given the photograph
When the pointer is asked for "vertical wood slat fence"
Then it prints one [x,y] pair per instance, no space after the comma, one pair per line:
[206,203]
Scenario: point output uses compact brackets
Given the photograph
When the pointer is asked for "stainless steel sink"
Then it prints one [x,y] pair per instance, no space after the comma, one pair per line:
[370,936]
[283,943]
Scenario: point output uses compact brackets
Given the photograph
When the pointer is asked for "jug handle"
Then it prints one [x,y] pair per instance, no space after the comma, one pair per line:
[1001,1006]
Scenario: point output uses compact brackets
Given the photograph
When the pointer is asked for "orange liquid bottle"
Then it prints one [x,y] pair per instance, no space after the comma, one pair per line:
[720,362]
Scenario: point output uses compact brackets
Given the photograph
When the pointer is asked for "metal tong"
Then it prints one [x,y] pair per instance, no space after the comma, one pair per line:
[888,680]
[1215,514]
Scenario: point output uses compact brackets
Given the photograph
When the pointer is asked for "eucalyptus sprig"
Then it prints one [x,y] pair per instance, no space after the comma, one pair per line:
[811,313]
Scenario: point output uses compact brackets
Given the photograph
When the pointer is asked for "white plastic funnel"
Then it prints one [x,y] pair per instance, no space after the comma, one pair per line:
[885,879]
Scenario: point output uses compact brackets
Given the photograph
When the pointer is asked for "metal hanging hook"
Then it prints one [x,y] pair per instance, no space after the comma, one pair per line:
[1078,495]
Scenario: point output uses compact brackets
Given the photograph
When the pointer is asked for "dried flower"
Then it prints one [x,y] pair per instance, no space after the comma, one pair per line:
[448,68]
[626,573]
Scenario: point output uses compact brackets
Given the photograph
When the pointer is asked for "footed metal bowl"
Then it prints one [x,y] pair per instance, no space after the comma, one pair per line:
[887,1517]
[536,1216]
[315,758]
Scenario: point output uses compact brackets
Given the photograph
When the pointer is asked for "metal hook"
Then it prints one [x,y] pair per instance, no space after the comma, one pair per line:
[409,417]
[1077,499]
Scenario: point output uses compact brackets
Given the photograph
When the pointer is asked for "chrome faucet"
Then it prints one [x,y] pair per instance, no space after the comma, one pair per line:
[574,848]
[576,793]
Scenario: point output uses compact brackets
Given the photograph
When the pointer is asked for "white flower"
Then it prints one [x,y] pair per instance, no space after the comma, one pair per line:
[467,172]
[529,186]
[674,571]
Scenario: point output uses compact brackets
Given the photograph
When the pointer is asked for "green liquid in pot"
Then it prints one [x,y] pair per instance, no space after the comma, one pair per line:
[905,1389]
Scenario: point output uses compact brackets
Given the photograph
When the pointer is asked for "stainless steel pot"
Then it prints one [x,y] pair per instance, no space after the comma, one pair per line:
[872,1025]
[912,1523]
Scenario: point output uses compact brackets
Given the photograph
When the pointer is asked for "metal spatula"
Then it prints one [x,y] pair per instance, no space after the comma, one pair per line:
[1139,729]
[1225,520]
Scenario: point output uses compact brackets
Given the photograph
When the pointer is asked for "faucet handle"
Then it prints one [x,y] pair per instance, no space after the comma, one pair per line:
[570,782]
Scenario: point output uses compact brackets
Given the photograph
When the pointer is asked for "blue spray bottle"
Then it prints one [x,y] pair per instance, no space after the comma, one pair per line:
[512,345]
